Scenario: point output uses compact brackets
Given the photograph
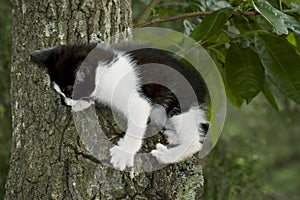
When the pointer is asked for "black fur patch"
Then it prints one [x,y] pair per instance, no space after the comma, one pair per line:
[63,64]
[173,90]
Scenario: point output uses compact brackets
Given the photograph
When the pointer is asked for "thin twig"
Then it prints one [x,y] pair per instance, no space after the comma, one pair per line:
[147,12]
[186,15]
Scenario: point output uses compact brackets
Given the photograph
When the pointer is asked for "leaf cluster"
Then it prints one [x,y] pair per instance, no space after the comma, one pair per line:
[255,43]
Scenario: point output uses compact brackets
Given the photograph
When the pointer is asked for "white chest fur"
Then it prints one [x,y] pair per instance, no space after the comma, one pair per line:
[116,83]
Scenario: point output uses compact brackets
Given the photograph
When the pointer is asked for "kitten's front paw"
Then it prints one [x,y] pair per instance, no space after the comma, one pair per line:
[121,159]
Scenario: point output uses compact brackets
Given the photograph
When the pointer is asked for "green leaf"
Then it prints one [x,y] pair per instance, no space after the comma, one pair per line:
[280,21]
[269,96]
[211,24]
[245,24]
[295,7]
[173,8]
[215,55]
[244,72]
[281,63]
[290,2]
[236,101]
[218,40]
[243,40]
[291,38]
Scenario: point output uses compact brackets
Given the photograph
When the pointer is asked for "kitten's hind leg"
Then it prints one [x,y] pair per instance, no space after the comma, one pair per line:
[175,154]
[158,117]
[172,137]
[187,126]
[170,132]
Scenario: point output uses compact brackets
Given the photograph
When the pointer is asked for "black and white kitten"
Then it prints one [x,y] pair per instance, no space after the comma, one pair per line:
[137,83]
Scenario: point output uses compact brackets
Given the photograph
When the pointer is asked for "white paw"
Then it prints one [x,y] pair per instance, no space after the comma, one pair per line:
[161,153]
[79,105]
[121,159]
[171,137]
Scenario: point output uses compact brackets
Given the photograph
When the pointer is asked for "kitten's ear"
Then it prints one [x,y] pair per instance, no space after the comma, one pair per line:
[46,57]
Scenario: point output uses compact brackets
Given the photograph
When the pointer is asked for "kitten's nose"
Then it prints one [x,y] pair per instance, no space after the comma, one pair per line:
[40,57]
[35,57]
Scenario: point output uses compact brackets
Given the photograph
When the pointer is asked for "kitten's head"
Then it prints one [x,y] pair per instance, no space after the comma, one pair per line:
[63,63]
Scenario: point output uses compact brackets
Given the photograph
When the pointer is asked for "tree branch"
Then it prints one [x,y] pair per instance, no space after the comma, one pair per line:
[146,13]
[186,15]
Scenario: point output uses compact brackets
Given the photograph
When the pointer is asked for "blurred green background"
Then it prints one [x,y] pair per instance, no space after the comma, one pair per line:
[5,117]
[257,156]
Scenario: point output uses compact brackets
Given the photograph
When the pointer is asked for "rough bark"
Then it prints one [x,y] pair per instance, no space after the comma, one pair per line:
[48,159]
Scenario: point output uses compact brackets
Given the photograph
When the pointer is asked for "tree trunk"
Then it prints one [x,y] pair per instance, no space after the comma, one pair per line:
[48,159]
